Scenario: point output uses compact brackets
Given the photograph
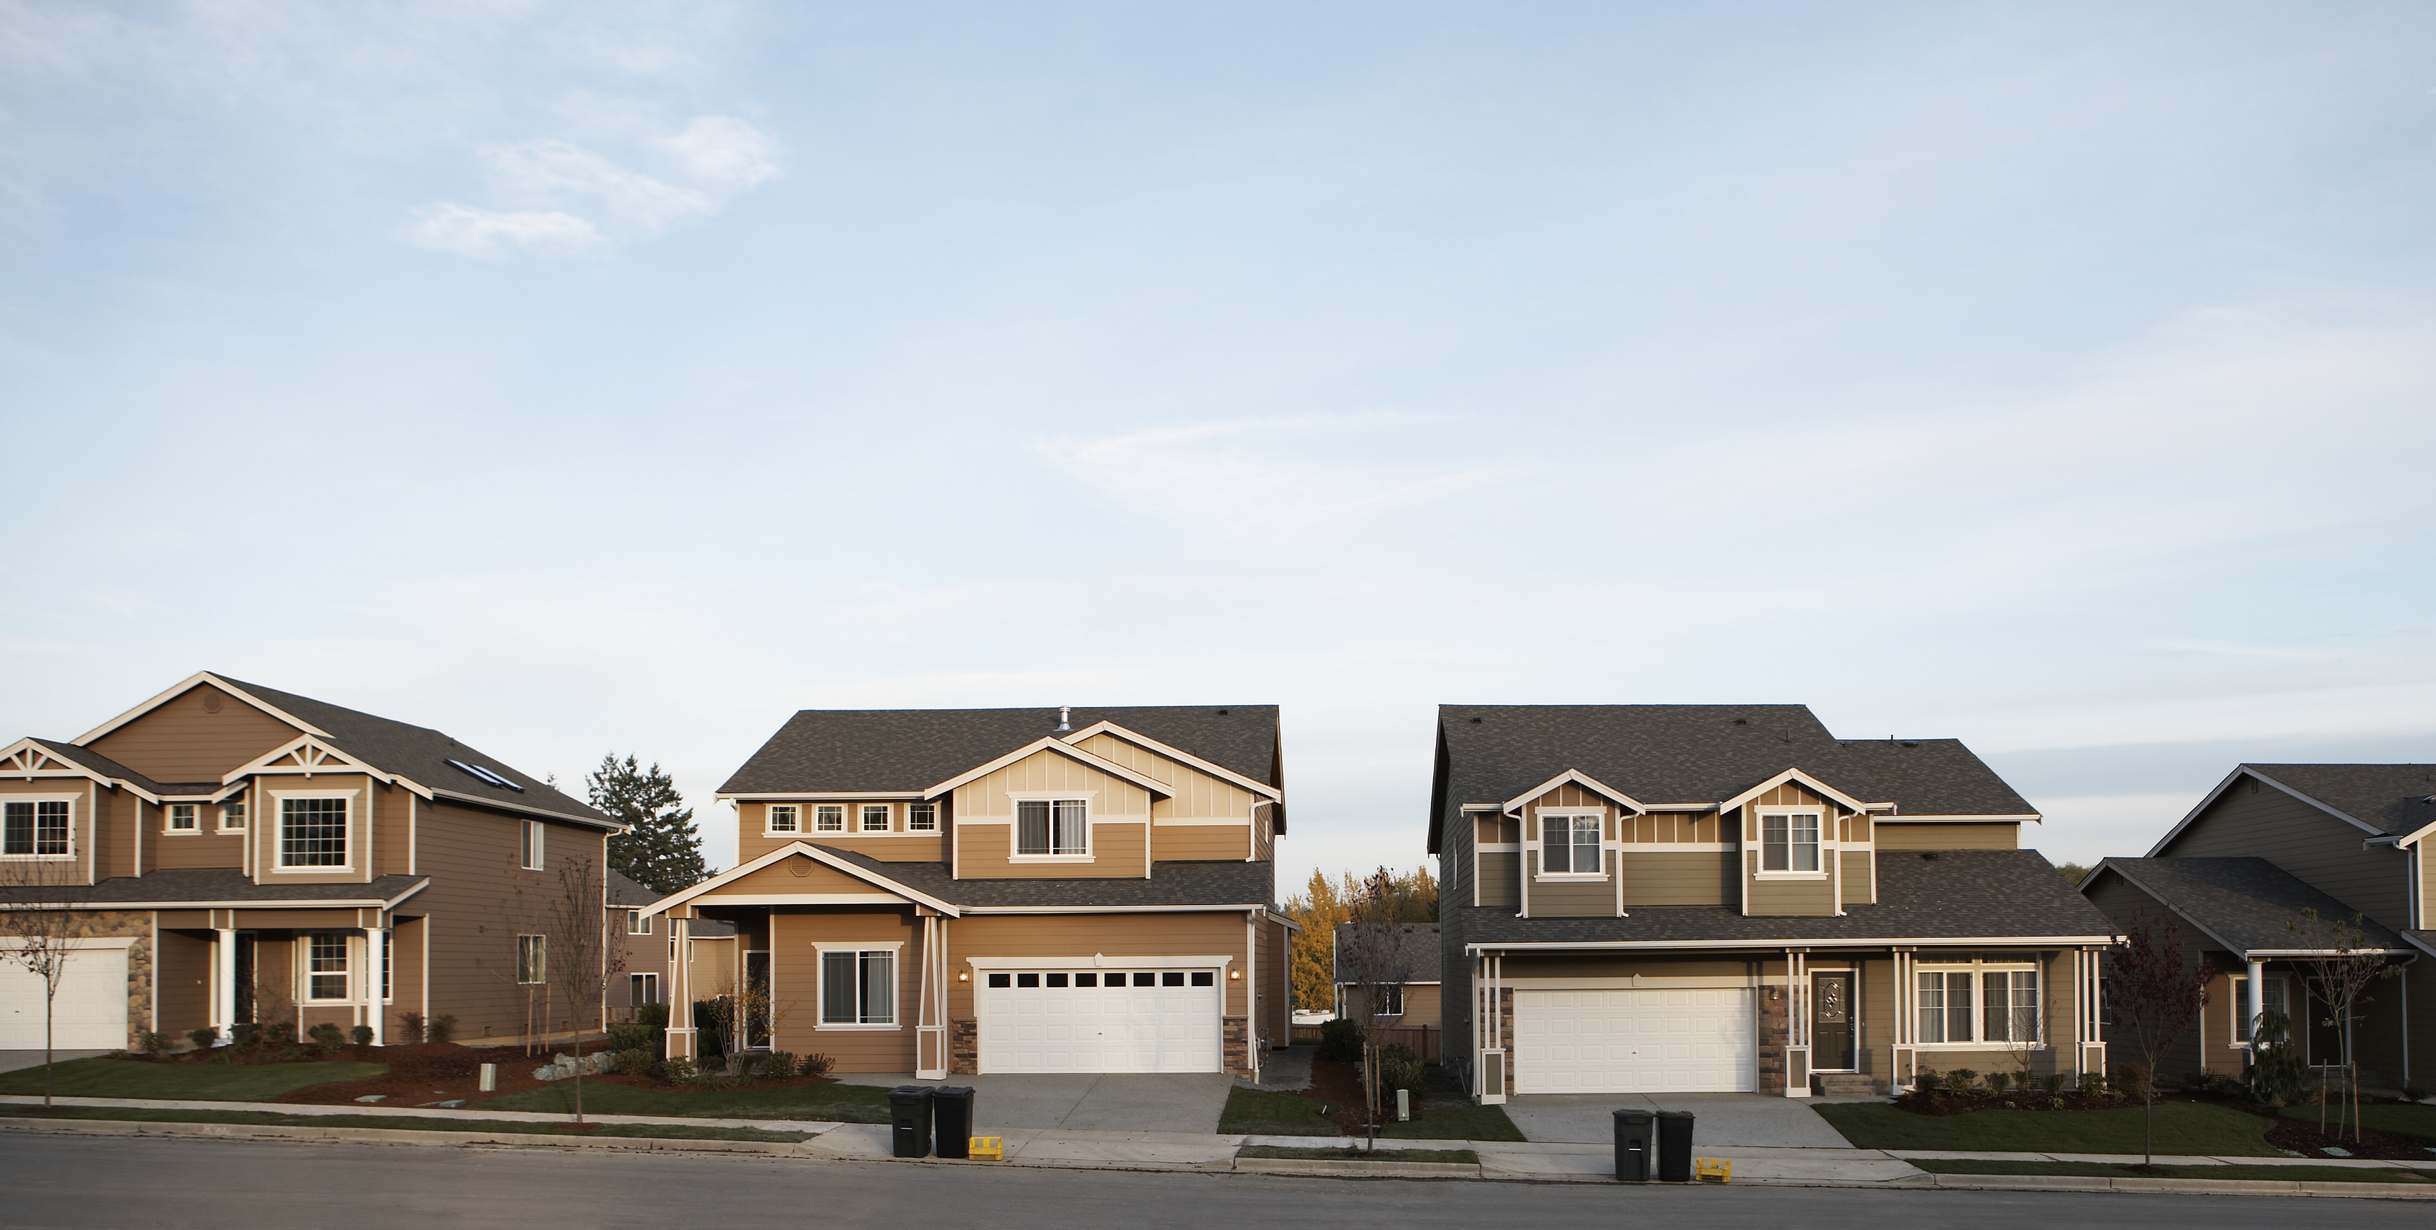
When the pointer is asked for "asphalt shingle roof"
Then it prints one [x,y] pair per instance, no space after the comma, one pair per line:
[200,884]
[2392,798]
[914,749]
[1967,895]
[1404,952]
[1699,754]
[1213,884]
[2245,902]
[98,763]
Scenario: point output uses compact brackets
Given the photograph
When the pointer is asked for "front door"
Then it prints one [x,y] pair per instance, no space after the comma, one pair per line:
[1833,1037]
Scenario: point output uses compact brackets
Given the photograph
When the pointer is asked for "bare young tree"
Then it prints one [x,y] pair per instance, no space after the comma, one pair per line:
[1373,962]
[584,960]
[2157,992]
[2339,977]
[42,921]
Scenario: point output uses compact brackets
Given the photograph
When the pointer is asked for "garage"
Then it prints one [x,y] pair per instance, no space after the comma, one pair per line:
[1657,1040]
[90,1013]
[1092,1020]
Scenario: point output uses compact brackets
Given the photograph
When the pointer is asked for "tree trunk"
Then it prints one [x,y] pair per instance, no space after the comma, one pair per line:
[47,1014]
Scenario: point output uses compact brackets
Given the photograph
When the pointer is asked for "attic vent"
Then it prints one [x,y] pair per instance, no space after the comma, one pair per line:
[486,776]
[1065,720]
[1928,856]
[1475,721]
[1222,713]
[212,702]
[1910,743]
[1742,721]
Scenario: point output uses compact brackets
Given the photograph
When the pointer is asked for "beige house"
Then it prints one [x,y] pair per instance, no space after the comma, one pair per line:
[1006,890]
[1728,898]
[237,853]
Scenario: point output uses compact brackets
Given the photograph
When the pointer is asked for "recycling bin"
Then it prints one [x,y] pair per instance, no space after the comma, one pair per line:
[952,1108]
[909,1110]
[1636,1139]
[1675,1146]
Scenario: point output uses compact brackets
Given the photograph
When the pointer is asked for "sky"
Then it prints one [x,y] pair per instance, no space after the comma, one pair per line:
[623,377]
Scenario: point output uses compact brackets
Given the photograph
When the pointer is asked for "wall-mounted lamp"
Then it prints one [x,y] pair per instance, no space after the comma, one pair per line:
[1775,993]
[964,977]
[1234,975]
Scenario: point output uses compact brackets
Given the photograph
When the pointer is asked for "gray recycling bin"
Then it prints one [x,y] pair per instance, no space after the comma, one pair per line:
[909,1112]
[952,1107]
[1636,1139]
[1675,1146]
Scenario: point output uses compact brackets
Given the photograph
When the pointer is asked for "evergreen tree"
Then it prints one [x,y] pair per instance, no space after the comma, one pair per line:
[661,850]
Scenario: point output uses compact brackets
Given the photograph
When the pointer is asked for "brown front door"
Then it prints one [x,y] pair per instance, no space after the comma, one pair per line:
[1833,1022]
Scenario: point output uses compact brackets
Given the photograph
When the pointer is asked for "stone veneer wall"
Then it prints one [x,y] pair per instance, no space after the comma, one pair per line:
[964,1048]
[1505,1030]
[1773,1038]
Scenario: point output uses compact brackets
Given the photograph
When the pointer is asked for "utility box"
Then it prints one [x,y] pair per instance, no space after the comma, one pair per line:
[1636,1143]
[1675,1146]
[909,1113]
[952,1110]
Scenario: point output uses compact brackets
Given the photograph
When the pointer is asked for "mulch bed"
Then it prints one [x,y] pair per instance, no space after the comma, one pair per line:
[1981,1099]
[1339,1085]
[444,1071]
[2303,1138]
[2292,1135]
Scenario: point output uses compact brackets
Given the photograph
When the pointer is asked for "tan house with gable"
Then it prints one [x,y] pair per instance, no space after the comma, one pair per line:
[238,853]
[1007,890]
[1728,898]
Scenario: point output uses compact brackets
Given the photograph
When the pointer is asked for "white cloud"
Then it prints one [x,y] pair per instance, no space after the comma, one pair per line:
[723,153]
[576,200]
[446,227]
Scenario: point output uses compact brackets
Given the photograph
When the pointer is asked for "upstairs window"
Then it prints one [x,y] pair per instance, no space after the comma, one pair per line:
[36,829]
[829,817]
[875,817]
[1569,845]
[326,965]
[1052,826]
[528,847]
[182,818]
[232,817]
[782,818]
[312,832]
[921,817]
[638,923]
[1789,841]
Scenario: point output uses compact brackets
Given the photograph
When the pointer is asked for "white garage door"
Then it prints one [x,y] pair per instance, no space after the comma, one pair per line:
[90,1013]
[1670,1040]
[1139,1020]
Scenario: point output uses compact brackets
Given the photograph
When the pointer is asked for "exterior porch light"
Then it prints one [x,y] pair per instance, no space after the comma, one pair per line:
[964,977]
[1234,975]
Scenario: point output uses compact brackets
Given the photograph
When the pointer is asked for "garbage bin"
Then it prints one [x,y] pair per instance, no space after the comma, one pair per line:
[1675,1146]
[952,1105]
[909,1110]
[1636,1132]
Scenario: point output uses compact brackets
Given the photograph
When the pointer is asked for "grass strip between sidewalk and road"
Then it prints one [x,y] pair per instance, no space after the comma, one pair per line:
[185,1082]
[1454,1123]
[1341,1154]
[2191,1129]
[2108,1170]
[834,1103]
[139,1114]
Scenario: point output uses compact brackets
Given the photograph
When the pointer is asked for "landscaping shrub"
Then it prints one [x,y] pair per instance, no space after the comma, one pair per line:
[635,1061]
[154,1044]
[1959,1080]
[778,1065]
[1998,1082]
[818,1064]
[2278,1075]
[678,1071]
[245,1035]
[654,1017]
[710,1033]
[1341,1042]
[2093,1083]
[2054,1082]
[203,1037]
[440,1029]
[629,1036]
[282,1033]
[1399,1068]
[410,1026]
[327,1037]
[361,1035]
[2413,1093]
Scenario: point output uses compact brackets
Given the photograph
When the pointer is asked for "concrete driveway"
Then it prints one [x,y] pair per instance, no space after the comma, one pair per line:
[1110,1102]
[10,1061]
[1724,1120]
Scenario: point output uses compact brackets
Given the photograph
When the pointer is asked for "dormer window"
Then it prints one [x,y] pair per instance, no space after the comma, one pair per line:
[1569,845]
[1789,841]
[1052,827]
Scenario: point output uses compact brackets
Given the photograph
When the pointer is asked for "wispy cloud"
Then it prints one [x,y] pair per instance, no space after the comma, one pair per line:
[565,200]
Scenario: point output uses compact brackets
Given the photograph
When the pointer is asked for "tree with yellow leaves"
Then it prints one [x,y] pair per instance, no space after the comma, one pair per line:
[1324,903]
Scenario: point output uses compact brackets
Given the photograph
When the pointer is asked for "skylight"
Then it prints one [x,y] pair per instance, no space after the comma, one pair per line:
[485,775]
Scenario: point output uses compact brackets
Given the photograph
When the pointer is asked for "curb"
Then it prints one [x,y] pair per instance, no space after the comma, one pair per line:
[402,1136]
[2188,1187]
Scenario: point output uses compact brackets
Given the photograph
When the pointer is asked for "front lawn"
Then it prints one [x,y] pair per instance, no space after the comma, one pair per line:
[835,1103]
[1455,1123]
[1340,1153]
[2404,1118]
[2188,1128]
[661,1131]
[2103,1170]
[184,1082]
[1260,1112]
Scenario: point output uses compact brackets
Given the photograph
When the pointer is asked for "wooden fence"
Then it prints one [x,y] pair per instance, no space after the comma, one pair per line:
[1422,1040]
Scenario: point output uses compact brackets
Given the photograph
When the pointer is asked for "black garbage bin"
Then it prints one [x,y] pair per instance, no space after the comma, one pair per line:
[1636,1133]
[1675,1146]
[909,1110]
[952,1105]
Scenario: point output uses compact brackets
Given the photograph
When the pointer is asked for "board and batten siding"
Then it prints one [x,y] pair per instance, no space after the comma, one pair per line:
[1569,898]
[2251,819]
[985,815]
[181,741]
[1196,795]
[1792,897]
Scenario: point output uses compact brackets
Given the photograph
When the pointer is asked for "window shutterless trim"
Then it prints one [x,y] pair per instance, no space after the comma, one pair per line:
[34,827]
[769,820]
[278,836]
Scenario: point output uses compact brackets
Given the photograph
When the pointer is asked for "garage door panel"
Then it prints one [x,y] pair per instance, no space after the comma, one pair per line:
[89,1013]
[1125,1028]
[1678,1040]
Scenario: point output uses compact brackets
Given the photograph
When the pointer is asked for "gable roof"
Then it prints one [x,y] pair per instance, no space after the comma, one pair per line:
[1405,952]
[823,751]
[626,892]
[200,887]
[2388,800]
[1699,755]
[2242,903]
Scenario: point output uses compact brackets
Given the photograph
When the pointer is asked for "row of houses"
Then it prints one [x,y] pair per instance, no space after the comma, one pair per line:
[1633,897]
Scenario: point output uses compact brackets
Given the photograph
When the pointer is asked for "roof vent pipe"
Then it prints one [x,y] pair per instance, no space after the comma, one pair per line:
[1064,719]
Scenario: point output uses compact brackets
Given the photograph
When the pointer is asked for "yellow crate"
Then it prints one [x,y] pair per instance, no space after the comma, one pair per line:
[1712,1170]
[988,1148]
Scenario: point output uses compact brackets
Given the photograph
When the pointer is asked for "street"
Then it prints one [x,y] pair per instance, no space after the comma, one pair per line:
[71,1181]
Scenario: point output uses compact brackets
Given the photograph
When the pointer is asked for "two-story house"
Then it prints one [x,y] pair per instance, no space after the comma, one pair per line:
[2242,873]
[1728,898]
[1007,890]
[237,853]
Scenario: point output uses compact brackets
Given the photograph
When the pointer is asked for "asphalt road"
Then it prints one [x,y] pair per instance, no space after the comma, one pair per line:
[65,1181]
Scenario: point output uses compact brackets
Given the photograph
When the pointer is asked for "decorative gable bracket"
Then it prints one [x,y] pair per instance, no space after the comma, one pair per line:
[308,756]
[27,760]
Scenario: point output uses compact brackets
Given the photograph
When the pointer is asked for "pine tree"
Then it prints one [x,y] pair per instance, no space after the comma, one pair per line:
[660,850]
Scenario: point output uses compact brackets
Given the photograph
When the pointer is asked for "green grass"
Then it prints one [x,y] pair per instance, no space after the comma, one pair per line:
[2408,1119]
[123,1114]
[2102,1170]
[1343,1154]
[1259,1112]
[1455,1123]
[837,1103]
[2182,1128]
[185,1082]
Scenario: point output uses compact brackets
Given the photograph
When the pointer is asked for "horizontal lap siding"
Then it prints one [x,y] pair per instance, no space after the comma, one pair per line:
[983,849]
[781,877]
[1857,886]
[1500,879]
[1200,843]
[1654,877]
[180,742]
[82,822]
[2006,836]
[1570,898]
[982,854]
[795,986]
[478,902]
[1786,898]
[2260,821]
[202,848]
[888,848]
[1083,935]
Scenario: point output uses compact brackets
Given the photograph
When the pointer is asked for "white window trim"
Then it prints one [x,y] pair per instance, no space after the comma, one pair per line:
[842,819]
[278,859]
[934,818]
[2240,1006]
[1571,813]
[531,843]
[71,800]
[769,815]
[347,946]
[169,819]
[1979,1002]
[896,985]
[636,915]
[1091,809]
[1826,843]
[521,937]
[862,818]
[240,827]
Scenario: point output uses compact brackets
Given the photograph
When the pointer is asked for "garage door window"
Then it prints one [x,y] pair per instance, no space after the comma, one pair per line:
[36,829]
[858,987]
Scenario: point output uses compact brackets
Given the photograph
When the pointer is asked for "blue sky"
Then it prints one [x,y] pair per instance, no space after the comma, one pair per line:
[627,376]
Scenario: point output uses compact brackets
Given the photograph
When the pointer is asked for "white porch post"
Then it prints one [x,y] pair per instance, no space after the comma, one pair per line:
[224,980]
[375,973]
[680,988]
[2256,1006]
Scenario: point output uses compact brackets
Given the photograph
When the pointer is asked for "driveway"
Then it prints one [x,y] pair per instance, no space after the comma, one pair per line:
[1110,1102]
[1724,1120]
[10,1061]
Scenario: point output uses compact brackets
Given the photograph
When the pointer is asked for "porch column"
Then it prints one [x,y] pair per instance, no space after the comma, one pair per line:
[224,980]
[2257,1005]
[680,988]
[375,973]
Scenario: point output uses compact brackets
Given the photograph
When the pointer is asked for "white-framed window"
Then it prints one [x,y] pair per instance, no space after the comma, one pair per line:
[325,966]
[313,831]
[532,959]
[829,817]
[2272,998]
[528,845]
[1052,827]
[1978,1003]
[37,829]
[875,817]
[921,817]
[1569,845]
[858,988]
[1789,842]
[232,817]
[645,987]
[182,818]
[638,923]
[1387,999]
[389,965]
[783,819]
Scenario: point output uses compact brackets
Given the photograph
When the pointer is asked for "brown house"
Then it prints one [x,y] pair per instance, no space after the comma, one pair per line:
[237,853]
[1728,898]
[1007,890]
[1386,974]
[2242,873]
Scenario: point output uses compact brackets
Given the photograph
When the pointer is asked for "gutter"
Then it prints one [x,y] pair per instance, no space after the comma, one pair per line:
[1809,942]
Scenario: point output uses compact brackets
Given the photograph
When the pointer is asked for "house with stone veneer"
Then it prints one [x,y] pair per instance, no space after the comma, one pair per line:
[1729,898]
[238,853]
[944,891]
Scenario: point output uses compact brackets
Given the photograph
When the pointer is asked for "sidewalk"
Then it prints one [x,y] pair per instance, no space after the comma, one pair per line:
[1500,1160]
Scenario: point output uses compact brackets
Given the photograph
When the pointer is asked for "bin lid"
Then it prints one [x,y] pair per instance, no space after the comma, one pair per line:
[1635,1114]
[1674,1114]
[910,1091]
